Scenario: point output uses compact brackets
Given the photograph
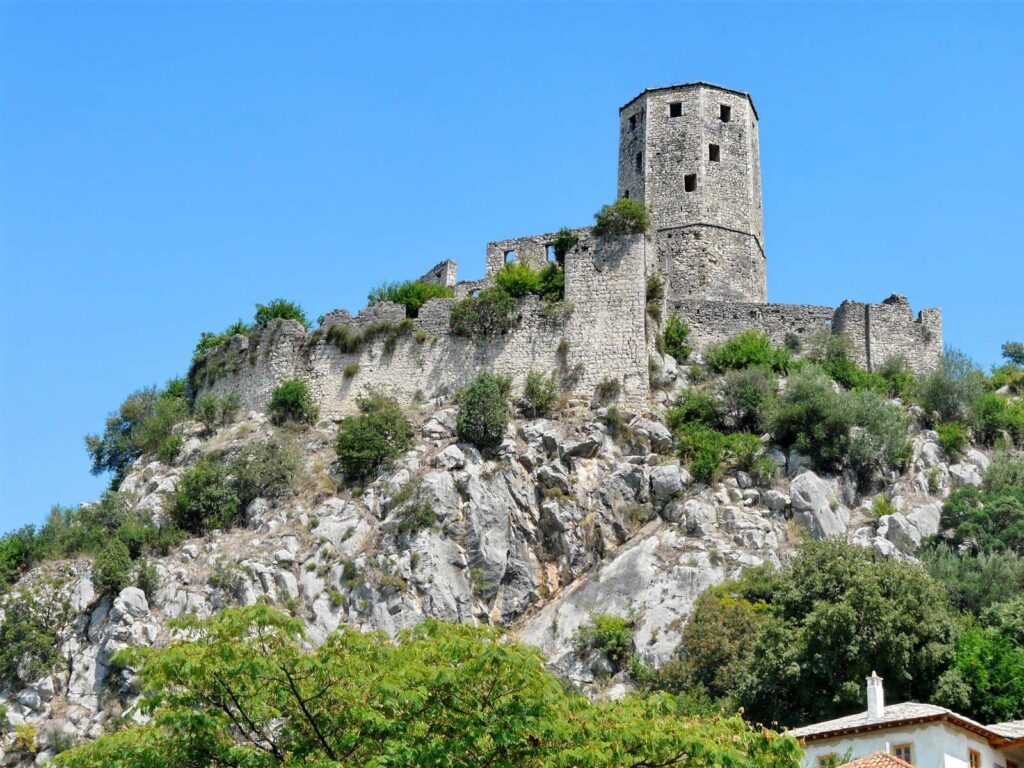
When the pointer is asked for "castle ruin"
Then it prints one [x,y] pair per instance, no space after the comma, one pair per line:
[690,153]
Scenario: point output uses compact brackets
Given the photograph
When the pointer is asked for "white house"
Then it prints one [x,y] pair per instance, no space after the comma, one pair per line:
[923,735]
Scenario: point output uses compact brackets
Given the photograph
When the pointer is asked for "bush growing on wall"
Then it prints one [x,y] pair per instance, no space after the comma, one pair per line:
[750,348]
[379,434]
[489,314]
[623,217]
[564,242]
[517,279]
[676,338]
[483,411]
[279,309]
[291,402]
[412,293]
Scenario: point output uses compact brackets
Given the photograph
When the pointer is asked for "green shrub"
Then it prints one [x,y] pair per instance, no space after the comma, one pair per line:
[693,406]
[112,569]
[216,411]
[564,241]
[491,313]
[675,338]
[208,342]
[704,449]
[412,510]
[30,633]
[146,577]
[814,418]
[881,505]
[1005,473]
[996,416]
[977,581]
[380,433]
[483,411]
[608,390]
[413,294]
[264,470]
[551,283]
[608,634]
[517,279]
[879,443]
[279,309]
[539,394]
[204,499]
[291,402]
[954,438]
[623,217]
[951,392]
[832,353]
[1010,376]
[142,424]
[748,398]
[898,378]
[750,348]
[351,370]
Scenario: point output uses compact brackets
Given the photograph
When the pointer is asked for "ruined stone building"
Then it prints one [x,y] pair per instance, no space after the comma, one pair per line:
[691,154]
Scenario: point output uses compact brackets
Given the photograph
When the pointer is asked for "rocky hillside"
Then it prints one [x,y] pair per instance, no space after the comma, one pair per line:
[590,511]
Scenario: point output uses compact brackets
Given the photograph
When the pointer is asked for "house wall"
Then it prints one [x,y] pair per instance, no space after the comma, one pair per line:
[935,745]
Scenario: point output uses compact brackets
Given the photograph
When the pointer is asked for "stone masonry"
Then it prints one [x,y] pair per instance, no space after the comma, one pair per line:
[690,153]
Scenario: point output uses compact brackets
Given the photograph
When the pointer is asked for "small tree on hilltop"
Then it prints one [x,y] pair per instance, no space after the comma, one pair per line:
[1014,352]
[623,217]
[280,309]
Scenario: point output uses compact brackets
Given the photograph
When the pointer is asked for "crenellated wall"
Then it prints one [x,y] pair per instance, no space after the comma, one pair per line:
[880,332]
[601,322]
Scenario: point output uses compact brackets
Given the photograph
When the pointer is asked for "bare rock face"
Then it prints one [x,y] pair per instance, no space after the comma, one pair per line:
[563,522]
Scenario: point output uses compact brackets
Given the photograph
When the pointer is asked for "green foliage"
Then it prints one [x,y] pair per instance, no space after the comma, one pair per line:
[1014,352]
[112,569]
[208,342]
[264,470]
[539,394]
[694,406]
[517,279]
[204,499]
[380,433]
[710,452]
[141,425]
[483,411]
[290,402]
[34,618]
[748,399]
[813,418]
[216,411]
[412,293]
[675,338]
[146,577]
[878,442]
[608,634]
[551,283]
[623,217]
[831,352]
[564,241]
[412,510]
[489,314]
[1010,376]
[439,695]
[279,309]
[951,392]
[899,380]
[985,521]
[975,582]
[996,417]
[750,348]
[954,438]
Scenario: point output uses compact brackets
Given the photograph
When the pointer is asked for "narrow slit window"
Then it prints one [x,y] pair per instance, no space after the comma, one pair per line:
[725,112]
[639,161]
[510,256]
[714,153]
[690,182]
[632,122]
[675,109]
[551,252]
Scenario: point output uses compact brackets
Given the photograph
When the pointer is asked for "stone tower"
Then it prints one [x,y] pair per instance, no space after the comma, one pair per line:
[690,154]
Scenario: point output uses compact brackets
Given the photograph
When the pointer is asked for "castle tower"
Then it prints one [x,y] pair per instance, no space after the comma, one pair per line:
[690,154]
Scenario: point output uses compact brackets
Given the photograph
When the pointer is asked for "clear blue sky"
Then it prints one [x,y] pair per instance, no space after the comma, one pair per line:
[164,167]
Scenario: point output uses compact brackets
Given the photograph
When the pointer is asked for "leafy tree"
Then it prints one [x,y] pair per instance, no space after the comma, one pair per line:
[693,406]
[33,620]
[551,283]
[379,434]
[265,470]
[623,217]
[248,691]
[412,293]
[204,499]
[491,313]
[290,402]
[279,309]
[748,398]
[879,443]
[996,417]
[1014,352]
[18,551]
[517,279]
[676,338]
[814,418]
[750,348]
[985,521]
[483,411]
[112,570]
[975,582]
[141,425]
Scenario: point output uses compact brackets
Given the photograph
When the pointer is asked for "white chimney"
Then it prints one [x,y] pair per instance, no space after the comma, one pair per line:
[876,697]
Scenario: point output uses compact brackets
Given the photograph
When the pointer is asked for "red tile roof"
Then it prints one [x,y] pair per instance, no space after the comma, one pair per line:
[878,760]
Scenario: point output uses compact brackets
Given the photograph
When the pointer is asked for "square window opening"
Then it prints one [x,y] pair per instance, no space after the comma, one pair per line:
[625,194]
[632,122]
[690,182]
[724,112]
[714,153]
[511,256]
[675,109]
[904,752]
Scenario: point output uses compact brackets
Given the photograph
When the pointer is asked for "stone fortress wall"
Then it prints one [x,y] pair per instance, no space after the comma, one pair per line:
[691,154]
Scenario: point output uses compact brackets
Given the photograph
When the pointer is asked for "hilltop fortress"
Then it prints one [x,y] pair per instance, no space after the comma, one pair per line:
[690,153]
